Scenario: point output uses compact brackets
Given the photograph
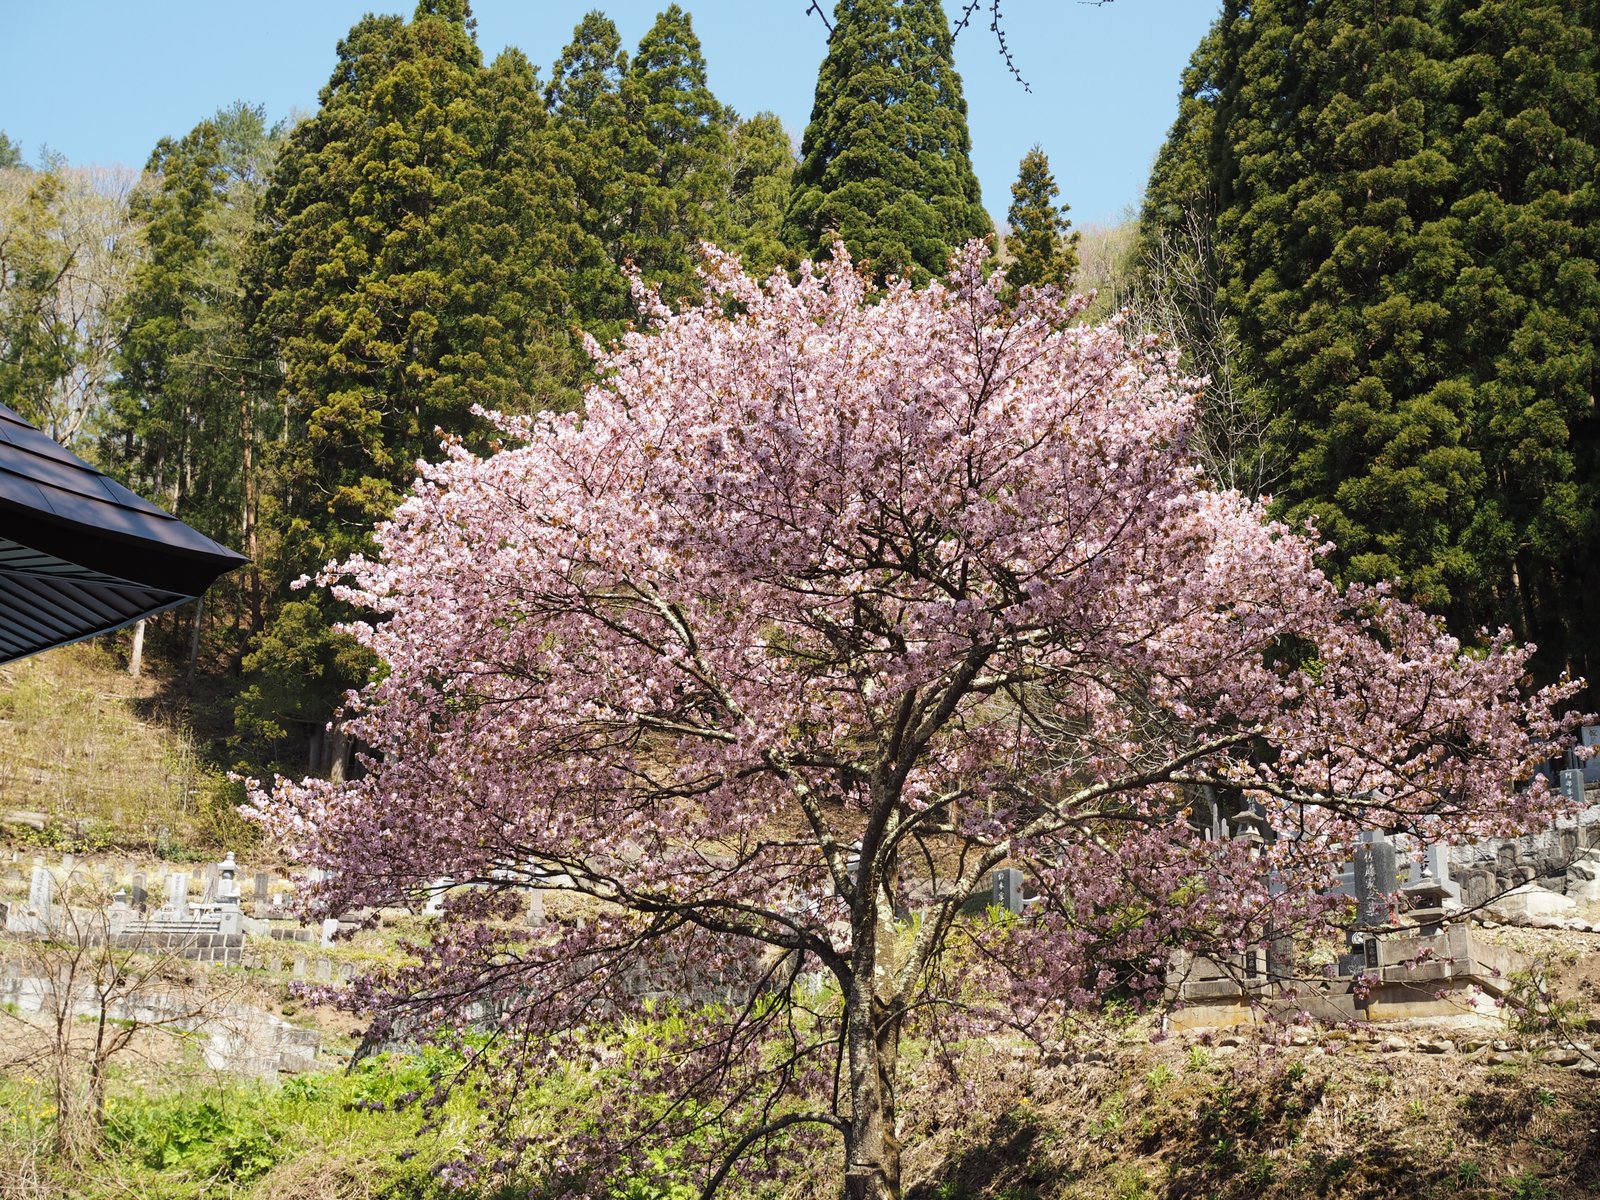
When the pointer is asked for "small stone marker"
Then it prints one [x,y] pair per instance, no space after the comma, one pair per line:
[177,905]
[263,889]
[1572,786]
[140,897]
[330,926]
[42,891]
[1375,882]
[536,908]
[1006,890]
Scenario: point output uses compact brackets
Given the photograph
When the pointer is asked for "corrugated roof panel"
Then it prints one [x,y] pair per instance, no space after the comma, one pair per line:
[70,490]
[79,553]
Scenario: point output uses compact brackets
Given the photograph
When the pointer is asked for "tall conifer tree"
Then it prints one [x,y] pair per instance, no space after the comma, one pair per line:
[1042,245]
[885,163]
[676,160]
[761,173]
[410,267]
[587,120]
[1404,213]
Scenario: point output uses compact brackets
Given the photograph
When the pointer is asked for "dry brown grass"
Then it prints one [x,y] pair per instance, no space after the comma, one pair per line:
[1168,1122]
[74,747]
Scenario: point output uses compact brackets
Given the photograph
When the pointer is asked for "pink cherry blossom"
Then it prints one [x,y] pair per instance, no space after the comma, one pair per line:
[829,604]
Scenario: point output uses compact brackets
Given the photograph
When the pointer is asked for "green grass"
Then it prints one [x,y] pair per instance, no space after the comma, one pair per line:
[333,1133]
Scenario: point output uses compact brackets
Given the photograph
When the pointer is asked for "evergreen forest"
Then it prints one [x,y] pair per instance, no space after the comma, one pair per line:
[1375,236]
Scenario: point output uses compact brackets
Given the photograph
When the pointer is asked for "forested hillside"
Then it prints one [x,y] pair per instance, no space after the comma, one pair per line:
[268,328]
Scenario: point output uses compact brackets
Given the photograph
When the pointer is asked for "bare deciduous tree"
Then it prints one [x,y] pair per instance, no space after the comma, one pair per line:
[1177,295]
[87,997]
[67,251]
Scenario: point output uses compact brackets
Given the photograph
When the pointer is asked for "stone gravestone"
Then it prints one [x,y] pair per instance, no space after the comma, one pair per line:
[1591,766]
[225,889]
[177,906]
[42,894]
[1572,786]
[1477,885]
[1205,815]
[1006,890]
[1375,883]
[535,908]
[139,897]
[1280,959]
[263,890]
[119,914]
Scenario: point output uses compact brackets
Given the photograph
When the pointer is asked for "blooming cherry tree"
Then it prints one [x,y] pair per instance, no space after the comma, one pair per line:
[831,603]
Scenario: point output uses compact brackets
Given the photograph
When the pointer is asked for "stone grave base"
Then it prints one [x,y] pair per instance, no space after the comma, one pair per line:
[1408,976]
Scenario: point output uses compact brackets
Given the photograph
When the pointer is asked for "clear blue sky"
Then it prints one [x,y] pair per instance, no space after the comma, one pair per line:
[99,81]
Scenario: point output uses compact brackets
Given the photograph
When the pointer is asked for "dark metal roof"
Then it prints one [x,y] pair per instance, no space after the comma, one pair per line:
[79,553]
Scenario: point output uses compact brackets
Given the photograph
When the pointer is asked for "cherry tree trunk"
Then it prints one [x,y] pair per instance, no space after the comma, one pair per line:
[873,1168]
[873,1022]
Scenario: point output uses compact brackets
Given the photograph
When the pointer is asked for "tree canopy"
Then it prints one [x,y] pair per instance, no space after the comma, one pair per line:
[66,253]
[1403,217]
[1040,244]
[824,610]
[412,263]
[885,163]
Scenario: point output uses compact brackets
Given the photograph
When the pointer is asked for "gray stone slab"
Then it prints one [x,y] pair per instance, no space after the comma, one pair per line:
[1375,883]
